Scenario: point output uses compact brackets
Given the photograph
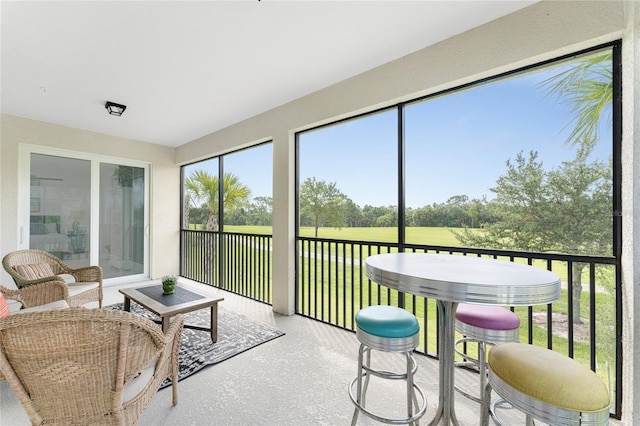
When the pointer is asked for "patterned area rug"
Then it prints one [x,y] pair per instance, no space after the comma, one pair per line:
[236,334]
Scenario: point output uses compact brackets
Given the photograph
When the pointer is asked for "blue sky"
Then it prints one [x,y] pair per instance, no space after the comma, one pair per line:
[456,144]
[253,166]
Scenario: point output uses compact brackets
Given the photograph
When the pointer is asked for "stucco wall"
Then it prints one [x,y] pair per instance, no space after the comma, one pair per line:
[630,218]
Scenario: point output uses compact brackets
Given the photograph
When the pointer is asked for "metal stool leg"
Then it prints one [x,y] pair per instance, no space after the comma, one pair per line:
[366,374]
[485,409]
[412,395]
[359,397]
[482,366]
[479,363]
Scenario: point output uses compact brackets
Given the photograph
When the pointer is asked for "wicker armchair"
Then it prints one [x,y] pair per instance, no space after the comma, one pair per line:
[43,296]
[26,268]
[81,366]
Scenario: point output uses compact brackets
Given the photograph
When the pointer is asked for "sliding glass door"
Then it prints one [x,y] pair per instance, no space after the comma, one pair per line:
[122,219]
[87,211]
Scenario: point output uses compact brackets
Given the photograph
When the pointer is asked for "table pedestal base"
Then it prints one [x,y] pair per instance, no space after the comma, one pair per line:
[446,353]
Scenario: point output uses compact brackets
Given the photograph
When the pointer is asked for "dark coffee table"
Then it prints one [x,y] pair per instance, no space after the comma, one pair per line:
[165,306]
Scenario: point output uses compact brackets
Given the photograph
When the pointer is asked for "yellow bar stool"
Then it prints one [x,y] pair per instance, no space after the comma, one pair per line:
[547,386]
[387,329]
[485,326]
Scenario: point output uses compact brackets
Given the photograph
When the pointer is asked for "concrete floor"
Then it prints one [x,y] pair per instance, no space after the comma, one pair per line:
[298,379]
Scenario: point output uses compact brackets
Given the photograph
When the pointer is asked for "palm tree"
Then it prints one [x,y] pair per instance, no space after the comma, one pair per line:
[587,86]
[202,187]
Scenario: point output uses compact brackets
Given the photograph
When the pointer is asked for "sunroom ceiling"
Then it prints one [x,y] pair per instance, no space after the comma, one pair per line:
[186,69]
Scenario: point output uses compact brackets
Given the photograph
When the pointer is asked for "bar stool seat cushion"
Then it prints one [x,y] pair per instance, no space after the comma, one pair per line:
[387,322]
[549,377]
[488,317]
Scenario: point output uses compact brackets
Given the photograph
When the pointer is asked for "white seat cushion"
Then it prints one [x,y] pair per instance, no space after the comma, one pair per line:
[14,306]
[136,385]
[58,304]
[77,288]
[67,278]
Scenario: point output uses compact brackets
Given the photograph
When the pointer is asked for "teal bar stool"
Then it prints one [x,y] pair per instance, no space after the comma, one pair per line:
[547,386]
[387,329]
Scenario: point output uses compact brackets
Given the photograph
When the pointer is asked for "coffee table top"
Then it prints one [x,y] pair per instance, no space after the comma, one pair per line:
[183,300]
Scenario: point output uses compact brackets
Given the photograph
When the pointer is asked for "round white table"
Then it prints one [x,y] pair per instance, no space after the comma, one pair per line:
[460,279]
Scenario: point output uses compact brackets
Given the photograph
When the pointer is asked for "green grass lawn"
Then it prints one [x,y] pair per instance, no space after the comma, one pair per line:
[424,235]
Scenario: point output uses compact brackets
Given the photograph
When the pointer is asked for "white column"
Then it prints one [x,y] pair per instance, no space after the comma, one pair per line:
[284,223]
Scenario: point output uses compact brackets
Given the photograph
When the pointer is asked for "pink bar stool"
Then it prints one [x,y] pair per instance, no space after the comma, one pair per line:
[486,326]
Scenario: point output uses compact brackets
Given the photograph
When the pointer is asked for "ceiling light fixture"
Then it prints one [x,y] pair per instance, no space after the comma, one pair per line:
[114,108]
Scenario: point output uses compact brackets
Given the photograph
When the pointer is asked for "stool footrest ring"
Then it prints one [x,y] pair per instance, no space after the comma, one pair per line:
[468,395]
[407,420]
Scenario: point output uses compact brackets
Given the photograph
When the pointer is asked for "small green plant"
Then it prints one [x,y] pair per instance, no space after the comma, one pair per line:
[169,284]
[169,279]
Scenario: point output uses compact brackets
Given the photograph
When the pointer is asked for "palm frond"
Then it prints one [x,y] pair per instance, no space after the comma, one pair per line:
[587,87]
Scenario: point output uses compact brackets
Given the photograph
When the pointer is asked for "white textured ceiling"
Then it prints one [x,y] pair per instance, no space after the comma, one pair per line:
[186,69]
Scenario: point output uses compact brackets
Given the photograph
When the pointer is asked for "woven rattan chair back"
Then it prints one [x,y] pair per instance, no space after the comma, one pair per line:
[71,366]
[81,275]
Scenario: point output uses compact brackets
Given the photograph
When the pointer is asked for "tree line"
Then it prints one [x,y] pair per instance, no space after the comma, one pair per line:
[322,204]
[457,212]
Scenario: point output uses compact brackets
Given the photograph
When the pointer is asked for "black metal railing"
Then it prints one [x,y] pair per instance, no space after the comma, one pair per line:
[239,263]
[332,286]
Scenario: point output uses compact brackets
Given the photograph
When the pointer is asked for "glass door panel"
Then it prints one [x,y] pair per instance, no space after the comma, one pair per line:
[122,214]
[87,212]
[60,207]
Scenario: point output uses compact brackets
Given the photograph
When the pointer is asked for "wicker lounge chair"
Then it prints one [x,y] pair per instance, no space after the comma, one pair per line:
[81,366]
[28,267]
